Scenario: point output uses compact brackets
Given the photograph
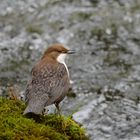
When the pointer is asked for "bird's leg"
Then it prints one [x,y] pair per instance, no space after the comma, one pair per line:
[58,109]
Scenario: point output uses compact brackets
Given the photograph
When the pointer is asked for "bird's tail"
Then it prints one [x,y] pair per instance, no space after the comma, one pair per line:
[35,108]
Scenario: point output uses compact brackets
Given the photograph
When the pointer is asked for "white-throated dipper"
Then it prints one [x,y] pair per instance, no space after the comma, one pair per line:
[50,80]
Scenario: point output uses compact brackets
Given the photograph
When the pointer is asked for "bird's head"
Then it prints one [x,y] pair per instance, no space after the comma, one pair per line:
[58,52]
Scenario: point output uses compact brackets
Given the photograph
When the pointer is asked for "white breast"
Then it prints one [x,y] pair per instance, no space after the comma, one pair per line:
[61,59]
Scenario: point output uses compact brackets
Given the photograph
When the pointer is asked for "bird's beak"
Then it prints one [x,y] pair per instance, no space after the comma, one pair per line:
[71,51]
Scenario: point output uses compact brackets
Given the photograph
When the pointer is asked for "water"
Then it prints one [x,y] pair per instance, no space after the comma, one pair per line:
[105,71]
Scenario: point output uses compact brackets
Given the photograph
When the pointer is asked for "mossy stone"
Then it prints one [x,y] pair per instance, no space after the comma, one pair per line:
[15,126]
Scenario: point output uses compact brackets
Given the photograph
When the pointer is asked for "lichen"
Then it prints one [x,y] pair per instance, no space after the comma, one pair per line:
[15,126]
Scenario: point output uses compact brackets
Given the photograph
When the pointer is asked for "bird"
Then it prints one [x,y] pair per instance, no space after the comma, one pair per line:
[50,80]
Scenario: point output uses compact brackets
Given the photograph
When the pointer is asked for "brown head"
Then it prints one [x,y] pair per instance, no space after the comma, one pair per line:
[57,51]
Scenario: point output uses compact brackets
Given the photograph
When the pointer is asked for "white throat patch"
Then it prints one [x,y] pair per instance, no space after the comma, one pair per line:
[61,59]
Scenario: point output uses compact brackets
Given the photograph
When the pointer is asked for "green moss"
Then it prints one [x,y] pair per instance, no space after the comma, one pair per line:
[15,126]
[71,93]
[80,16]
[56,25]
[94,2]
[34,29]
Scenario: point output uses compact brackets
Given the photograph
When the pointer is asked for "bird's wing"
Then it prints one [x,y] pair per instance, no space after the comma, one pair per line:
[48,81]
[59,84]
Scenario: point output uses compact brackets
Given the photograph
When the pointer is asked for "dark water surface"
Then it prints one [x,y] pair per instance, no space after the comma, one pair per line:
[106,69]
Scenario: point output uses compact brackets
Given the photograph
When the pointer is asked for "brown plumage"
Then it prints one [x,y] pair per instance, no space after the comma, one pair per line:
[50,80]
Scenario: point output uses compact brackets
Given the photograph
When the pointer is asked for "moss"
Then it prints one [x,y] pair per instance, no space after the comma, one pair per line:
[80,16]
[98,32]
[71,93]
[15,126]
[34,29]
[56,25]
[111,95]
[94,2]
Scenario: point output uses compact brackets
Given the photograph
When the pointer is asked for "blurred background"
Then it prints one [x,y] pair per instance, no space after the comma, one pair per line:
[105,71]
